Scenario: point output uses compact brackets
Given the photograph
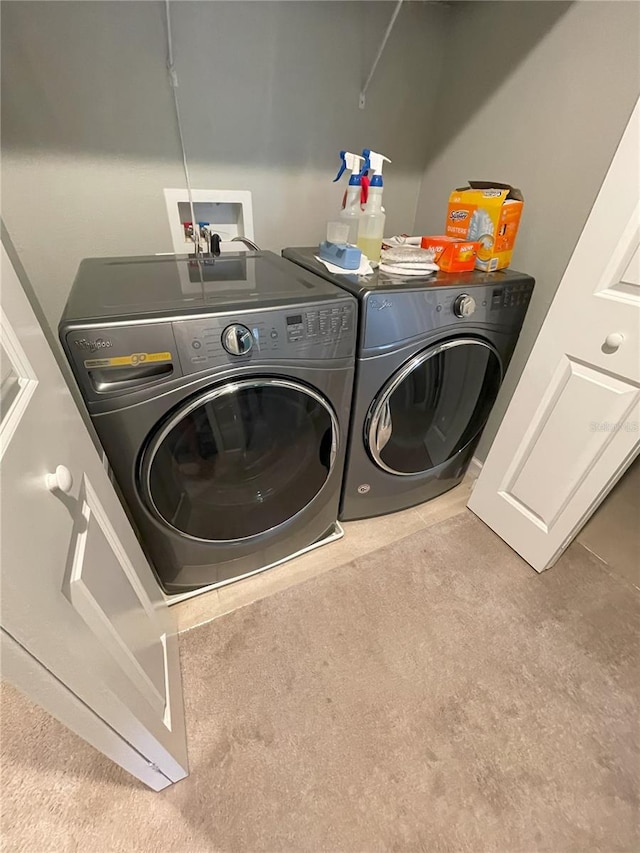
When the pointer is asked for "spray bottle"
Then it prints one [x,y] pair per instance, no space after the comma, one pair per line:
[351,204]
[371,230]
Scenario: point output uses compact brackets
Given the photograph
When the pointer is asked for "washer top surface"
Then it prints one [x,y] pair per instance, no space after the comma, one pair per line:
[169,285]
[360,286]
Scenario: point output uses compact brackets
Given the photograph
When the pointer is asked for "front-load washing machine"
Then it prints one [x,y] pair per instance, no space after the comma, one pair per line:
[220,390]
[432,354]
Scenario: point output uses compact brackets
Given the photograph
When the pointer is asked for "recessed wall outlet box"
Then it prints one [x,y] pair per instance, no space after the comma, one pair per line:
[228,213]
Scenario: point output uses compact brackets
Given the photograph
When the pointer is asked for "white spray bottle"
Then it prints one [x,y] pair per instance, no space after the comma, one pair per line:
[371,230]
[351,209]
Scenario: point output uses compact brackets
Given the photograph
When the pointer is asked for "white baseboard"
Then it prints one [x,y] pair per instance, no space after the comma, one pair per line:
[475,466]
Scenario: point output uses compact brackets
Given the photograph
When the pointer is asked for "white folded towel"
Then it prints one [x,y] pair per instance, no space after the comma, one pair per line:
[423,270]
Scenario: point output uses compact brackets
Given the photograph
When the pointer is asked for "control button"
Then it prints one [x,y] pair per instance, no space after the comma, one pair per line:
[274,334]
[464,305]
[237,339]
[196,344]
[438,307]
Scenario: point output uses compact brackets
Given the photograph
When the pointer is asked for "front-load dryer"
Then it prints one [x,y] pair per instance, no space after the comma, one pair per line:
[432,354]
[220,390]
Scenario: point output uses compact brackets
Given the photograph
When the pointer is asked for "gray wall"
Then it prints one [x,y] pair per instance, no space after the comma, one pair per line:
[268,94]
[537,95]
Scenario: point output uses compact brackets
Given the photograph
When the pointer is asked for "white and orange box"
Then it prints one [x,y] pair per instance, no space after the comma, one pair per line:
[452,254]
[489,213]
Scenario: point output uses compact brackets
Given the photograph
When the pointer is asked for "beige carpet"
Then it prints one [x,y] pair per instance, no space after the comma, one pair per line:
[433,696]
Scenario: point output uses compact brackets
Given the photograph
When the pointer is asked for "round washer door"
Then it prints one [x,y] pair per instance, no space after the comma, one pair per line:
[239,459]
[433,407]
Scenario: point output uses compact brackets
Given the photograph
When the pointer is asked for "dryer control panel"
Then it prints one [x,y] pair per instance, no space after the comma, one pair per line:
[323,331]
[393,317]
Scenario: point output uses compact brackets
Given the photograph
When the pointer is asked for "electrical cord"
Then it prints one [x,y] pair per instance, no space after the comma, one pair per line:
[173,80]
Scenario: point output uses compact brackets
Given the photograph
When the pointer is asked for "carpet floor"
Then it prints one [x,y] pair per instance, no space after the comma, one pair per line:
[436,695]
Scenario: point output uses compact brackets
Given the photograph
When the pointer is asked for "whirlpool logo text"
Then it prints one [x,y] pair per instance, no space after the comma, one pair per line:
[380,305]
[93,346]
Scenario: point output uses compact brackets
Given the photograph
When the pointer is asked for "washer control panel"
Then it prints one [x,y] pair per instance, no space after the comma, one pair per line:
[320,323]
[315,332]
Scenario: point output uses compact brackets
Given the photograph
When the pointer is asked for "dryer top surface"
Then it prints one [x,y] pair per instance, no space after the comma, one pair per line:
[360,286]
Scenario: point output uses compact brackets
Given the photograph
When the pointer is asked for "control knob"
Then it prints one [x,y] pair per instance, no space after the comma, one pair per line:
[237,339]
[464,305]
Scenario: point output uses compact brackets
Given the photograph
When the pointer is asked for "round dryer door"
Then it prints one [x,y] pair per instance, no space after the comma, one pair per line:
[434,406]
[240,459]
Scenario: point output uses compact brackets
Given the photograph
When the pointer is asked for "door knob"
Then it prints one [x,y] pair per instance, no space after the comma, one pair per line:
[60,481]
[613,341]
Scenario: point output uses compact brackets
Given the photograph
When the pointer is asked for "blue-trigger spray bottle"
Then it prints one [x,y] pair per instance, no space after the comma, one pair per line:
[351,205]
[371,228]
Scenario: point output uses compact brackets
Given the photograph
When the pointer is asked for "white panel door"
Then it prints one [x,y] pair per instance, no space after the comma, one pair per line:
[572,426]
[77,592]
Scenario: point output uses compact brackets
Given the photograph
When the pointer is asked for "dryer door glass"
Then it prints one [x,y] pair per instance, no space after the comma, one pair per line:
[240,459]
[434,406]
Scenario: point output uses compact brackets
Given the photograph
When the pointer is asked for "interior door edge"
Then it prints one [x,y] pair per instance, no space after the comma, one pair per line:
[41,686]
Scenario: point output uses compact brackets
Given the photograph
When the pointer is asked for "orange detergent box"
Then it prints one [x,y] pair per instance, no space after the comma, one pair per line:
[452,254]
[488,213]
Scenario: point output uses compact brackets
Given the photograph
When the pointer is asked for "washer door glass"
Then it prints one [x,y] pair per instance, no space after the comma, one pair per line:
[240,459]
[434,406]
